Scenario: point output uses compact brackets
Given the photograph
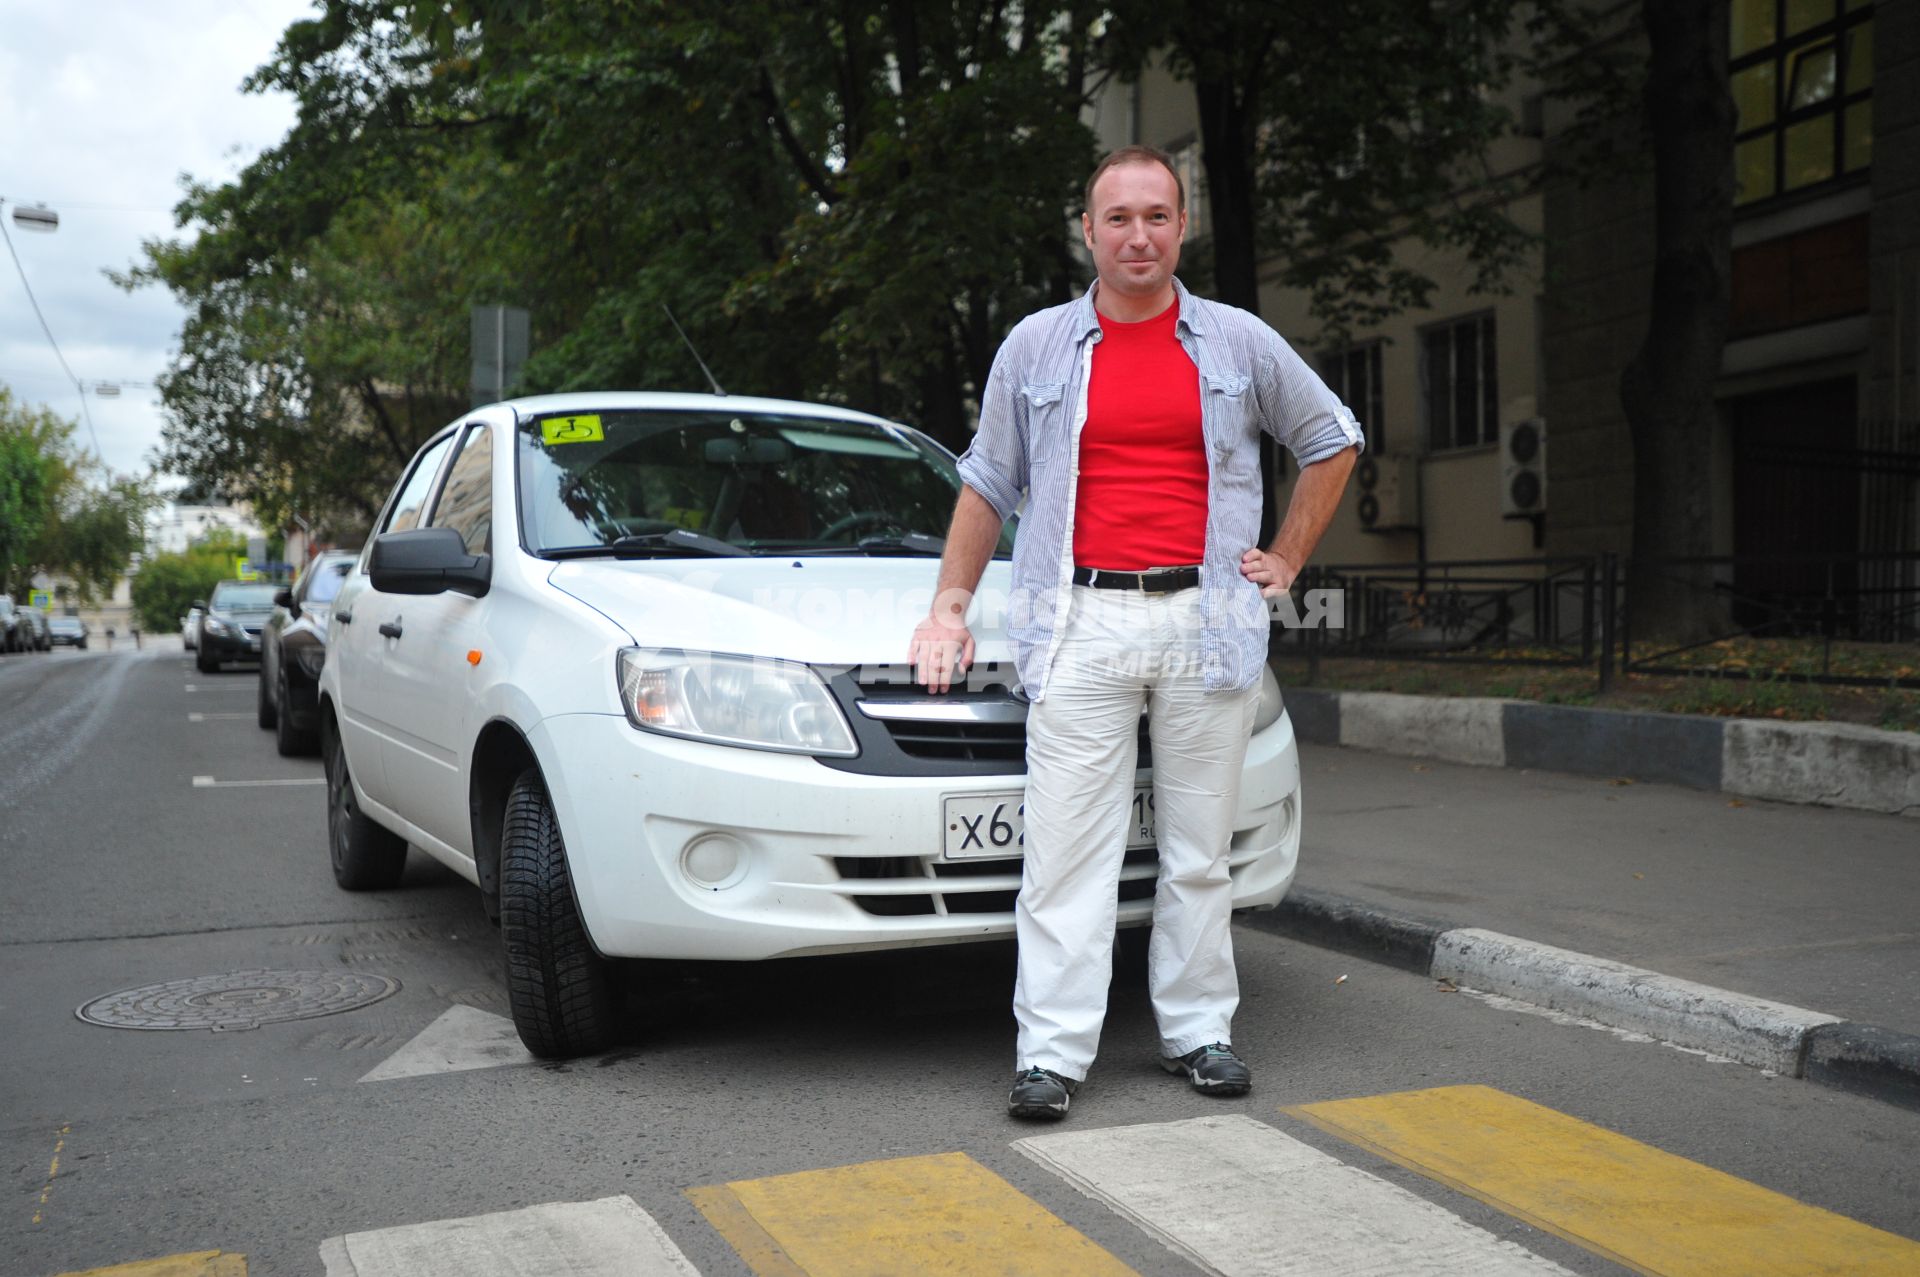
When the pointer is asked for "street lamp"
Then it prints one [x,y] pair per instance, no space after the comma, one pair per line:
[38,218]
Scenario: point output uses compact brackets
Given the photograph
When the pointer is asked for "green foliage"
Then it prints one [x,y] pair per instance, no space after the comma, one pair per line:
[52,519]
[168,584]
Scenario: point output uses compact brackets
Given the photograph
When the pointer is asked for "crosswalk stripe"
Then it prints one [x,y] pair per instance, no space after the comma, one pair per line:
[1238,1197]
[1652,1211]
[199,1263]
[611,1237]
[944,1213]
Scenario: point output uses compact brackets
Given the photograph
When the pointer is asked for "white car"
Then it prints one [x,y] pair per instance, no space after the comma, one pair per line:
[633,664]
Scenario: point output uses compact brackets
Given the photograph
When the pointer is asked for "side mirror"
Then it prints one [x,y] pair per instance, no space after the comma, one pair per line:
[283,598]
[201,604]
[428,561]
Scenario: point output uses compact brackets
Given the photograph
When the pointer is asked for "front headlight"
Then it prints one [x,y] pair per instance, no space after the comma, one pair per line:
[217,626]
[1271,704]
[756,702]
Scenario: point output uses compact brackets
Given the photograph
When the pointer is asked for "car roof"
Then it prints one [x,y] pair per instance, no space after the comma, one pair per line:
[579,401]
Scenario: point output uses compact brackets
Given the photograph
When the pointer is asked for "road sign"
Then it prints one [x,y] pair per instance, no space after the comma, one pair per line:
[244,569]
[40,599]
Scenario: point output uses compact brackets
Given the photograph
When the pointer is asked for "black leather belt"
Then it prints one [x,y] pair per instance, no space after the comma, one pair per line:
[1158,581]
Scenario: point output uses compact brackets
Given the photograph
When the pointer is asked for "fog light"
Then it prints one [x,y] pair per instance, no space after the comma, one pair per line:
[714,862]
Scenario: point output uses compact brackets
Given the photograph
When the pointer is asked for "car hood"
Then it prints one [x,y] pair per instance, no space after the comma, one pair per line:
[832,611]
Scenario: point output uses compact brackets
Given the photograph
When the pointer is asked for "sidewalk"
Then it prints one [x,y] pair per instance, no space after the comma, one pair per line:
[1814,907]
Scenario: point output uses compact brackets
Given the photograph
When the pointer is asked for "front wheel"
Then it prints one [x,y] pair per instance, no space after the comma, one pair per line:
[205,660]
[265,712]
[366,856]
[290,741]
[564,995]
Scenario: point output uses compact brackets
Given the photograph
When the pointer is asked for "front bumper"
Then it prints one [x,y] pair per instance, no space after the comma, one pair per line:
[826,861]
[244,646]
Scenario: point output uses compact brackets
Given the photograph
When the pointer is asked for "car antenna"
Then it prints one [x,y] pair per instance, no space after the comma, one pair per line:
[691,351]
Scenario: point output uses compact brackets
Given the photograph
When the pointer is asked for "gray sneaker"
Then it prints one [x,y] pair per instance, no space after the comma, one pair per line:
[1040,1095]
[1213,1069]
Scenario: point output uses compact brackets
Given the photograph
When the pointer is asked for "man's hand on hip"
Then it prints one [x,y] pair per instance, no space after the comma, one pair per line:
[941,649]
[1270,571]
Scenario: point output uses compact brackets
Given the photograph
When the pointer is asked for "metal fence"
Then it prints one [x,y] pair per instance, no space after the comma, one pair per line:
[1571,611]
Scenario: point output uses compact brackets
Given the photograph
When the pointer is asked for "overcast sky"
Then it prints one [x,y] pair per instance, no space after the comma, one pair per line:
[104,104]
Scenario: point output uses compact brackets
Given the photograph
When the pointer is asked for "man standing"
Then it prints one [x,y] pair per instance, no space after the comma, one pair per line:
[1130,418]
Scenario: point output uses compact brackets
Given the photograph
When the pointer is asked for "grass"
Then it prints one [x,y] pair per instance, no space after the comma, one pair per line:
[1769,689]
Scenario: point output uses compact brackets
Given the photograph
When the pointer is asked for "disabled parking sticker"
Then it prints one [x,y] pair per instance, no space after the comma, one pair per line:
[581,429]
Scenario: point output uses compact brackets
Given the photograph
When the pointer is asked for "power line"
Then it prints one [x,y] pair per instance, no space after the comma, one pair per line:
[78,388]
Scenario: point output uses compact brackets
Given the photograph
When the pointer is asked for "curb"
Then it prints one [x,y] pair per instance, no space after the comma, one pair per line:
[1864,1059]
[1829,764]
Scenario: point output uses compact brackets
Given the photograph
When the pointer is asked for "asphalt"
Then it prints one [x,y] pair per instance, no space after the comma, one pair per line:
[1779,934]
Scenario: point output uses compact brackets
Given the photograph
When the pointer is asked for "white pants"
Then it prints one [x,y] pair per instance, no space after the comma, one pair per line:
[1123,651]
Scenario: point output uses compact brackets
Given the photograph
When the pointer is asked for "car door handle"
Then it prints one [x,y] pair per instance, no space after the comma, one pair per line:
[391,629]
[345,618]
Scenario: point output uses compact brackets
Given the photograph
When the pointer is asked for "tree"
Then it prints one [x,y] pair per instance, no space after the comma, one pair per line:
[1334,137]
[55,518]
[167,585]
[1667,389]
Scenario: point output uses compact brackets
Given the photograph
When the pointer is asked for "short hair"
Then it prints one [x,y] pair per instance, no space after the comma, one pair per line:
[1135,154]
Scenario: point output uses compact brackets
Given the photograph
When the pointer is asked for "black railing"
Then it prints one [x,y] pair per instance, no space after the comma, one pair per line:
[1571,611]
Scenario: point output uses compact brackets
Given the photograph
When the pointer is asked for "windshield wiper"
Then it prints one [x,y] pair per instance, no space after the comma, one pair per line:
[911,542]
[646,544]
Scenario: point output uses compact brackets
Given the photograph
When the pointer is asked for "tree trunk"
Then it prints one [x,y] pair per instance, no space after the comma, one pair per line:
[1226,150]
[1667,390]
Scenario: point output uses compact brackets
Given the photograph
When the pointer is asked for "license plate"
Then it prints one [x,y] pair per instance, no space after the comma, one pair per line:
[993,826]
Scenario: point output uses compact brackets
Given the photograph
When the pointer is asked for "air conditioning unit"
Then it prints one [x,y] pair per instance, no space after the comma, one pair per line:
[1523,468]
[1389,491]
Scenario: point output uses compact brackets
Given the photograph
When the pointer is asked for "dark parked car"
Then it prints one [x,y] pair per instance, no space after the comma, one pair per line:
[231,622]
[34,634]
[68,631]
[13,627]
[293,646]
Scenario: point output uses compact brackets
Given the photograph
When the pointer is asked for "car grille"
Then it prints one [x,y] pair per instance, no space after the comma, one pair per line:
[910,886]
[904,731]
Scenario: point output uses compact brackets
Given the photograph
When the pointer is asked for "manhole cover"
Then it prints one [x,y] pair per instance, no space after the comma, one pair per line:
[237,1000]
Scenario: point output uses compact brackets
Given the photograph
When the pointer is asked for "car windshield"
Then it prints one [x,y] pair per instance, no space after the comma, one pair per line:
[243,595]
[66,624]
[765,483]
[327,579]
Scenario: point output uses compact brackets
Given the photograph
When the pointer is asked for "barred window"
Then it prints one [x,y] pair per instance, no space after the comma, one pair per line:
[1802,78]
[1354,375]
[1459,390]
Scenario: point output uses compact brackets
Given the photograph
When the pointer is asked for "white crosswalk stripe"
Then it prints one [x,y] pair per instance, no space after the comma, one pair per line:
[1240,1198]
[611,1237]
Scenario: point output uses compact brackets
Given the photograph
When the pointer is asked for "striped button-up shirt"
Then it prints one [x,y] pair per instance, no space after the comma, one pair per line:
[1028,445]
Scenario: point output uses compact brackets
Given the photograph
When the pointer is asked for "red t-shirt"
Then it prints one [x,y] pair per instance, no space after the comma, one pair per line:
[1142,496]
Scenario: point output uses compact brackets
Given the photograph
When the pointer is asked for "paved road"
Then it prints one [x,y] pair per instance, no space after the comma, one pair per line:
[274,1143]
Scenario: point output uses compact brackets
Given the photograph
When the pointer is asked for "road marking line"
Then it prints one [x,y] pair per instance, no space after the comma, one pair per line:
[207,718]
[208,782]
[1650,1210]
[940,1214]
[609,1236]
[53,1172]
[461,1038]
[1235,1196]
[200,1263]
[236,687]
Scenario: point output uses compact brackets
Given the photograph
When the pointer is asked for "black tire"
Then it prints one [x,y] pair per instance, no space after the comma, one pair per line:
[206,662]
[564,996]
[366,856]
[264,711]
[290,741]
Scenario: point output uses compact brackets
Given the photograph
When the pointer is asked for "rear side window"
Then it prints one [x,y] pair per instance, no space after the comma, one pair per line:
[466,502]
[326,582]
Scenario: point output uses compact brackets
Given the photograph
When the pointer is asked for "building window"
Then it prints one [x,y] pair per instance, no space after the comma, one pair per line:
[1193,176]
[1354,375]
[1802,74]
[1460,394]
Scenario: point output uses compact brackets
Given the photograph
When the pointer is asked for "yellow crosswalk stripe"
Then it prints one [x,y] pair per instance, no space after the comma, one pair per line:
[200,1263]
[1652,1211]
[944,1214]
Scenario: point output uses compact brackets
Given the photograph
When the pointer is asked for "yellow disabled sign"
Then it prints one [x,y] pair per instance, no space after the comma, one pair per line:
[584,428]
[40,599]
[244,570]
